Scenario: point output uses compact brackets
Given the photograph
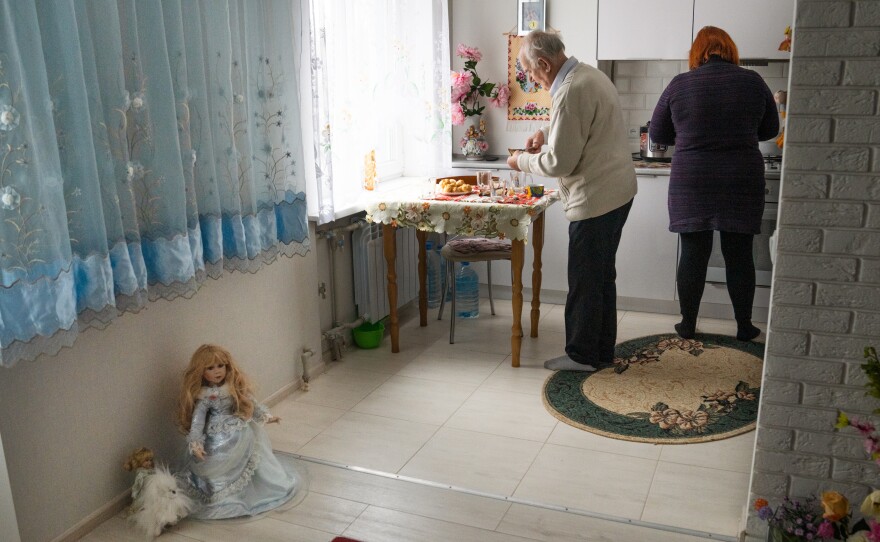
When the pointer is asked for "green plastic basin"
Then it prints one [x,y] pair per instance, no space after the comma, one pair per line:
[369,335]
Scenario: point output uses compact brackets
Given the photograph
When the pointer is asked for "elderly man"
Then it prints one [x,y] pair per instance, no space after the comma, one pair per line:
[587,149]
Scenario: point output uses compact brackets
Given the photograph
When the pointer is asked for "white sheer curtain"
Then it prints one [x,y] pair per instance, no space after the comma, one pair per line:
[144,146]
[379,82]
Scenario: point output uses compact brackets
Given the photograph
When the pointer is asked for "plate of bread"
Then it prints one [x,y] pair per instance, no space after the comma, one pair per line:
[454,187]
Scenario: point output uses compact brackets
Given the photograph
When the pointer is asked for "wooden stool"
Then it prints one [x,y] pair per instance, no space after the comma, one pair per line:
[471,249]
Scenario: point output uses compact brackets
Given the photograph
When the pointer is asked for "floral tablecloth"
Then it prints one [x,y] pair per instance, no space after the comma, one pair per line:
[472,215]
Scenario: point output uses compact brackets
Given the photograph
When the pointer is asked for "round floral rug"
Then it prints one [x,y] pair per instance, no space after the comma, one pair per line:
[665,390]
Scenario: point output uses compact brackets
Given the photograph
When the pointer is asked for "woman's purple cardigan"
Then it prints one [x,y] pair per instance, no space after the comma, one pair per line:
[715,115]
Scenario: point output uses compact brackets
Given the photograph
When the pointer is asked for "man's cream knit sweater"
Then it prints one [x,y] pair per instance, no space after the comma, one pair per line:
[587,147]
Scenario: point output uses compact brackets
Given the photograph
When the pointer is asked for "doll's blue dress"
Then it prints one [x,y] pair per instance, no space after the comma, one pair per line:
[240,475]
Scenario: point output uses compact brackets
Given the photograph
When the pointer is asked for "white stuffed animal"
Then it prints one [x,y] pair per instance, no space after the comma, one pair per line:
[160,503]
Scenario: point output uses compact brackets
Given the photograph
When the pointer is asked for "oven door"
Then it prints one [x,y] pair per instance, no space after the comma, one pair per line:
[761,250]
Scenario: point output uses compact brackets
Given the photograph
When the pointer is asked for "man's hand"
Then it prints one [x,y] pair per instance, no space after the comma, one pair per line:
[511,161]
[534,143]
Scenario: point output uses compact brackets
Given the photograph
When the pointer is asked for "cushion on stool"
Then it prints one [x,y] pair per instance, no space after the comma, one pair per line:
[476,249]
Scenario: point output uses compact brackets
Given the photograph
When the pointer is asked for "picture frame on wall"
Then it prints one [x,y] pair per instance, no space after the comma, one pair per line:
[531,16]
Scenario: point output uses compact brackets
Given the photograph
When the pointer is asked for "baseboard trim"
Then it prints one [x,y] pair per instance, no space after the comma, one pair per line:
[281,394]
[96,518]
[640,304]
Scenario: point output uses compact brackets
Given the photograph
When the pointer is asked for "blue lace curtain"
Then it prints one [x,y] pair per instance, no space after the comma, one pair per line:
[144,146]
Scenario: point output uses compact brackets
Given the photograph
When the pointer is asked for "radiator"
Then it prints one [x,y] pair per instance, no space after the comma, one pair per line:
[370,277]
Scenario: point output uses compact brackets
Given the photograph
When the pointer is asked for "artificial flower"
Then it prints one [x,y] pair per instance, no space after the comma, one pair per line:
[503,96]
[457,114]
[871,506]
[470,53]
[836,506]
[9,198]
[468,88]
[825,530]
[461,84]
[9,118]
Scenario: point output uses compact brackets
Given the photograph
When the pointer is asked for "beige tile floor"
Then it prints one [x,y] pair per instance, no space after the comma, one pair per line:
[389,433]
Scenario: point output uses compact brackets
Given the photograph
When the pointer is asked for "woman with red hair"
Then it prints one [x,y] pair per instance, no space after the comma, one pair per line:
[715,114]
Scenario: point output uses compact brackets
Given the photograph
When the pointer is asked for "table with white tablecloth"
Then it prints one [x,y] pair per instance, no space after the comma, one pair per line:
[507,217]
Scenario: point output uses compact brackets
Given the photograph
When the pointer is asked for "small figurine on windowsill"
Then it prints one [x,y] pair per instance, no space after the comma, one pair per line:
[230,469]
[370,180]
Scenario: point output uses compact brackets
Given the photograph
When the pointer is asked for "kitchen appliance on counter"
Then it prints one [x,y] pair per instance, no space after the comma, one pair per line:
[652,151]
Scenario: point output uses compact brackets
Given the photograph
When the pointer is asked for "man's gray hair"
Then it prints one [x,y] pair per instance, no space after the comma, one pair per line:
[540,44]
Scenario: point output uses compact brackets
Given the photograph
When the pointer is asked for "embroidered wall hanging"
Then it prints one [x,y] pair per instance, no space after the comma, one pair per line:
[528,100]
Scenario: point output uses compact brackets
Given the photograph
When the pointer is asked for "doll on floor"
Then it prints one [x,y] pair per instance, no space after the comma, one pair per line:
[142,462]
[230,469]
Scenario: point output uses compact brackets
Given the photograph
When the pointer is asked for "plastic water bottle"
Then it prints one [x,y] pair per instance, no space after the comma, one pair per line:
[467,292]
[435,285]
[443,285]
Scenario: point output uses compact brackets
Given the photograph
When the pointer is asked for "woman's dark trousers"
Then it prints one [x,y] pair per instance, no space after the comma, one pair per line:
[739,263]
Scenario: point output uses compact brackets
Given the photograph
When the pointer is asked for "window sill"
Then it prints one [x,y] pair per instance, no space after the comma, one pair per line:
[400,187]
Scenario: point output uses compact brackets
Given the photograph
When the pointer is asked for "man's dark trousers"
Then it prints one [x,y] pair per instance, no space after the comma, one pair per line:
[591,306]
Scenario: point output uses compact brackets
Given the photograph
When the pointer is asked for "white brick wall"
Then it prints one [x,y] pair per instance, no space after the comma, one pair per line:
[640,83]
[826,293]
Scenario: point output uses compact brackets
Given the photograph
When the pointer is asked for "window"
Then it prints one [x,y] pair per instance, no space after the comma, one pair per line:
[380,72]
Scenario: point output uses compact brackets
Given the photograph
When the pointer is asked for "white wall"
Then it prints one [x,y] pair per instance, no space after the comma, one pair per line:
[826,290]
[68,421]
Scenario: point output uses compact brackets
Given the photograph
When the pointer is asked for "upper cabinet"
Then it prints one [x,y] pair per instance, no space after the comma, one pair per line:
[756,26]
[644,29]
[664,30]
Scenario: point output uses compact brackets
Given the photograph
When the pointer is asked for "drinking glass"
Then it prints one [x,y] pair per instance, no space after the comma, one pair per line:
[514,179]
[484,179]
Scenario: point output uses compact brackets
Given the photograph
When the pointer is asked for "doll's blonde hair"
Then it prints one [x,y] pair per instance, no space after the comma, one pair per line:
[238,384]
[138,458]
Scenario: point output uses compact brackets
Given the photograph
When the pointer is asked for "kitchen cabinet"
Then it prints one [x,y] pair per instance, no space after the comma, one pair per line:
[648,251]
[756,26]
[644,29]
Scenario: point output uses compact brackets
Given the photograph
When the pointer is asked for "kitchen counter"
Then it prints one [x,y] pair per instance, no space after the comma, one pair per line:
[642,167]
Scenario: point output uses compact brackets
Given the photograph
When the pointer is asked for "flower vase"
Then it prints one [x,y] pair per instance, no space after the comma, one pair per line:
[473,143]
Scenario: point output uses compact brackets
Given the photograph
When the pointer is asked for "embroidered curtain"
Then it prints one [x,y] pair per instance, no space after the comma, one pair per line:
[379,81]
[144,146]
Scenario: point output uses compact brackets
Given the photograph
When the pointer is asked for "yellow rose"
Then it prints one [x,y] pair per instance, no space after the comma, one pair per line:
[871,505]
[836,506]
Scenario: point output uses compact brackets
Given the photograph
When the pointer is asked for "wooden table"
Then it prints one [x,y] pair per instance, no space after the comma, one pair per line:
[471,216]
